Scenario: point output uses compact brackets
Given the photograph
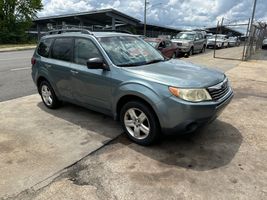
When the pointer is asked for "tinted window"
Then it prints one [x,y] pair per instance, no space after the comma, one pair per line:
[62,49]
[85,49]
[44,46]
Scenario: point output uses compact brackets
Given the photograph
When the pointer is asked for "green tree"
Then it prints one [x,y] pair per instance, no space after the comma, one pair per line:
[16,18]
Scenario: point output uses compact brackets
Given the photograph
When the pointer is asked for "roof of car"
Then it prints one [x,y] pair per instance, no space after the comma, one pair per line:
[154,39]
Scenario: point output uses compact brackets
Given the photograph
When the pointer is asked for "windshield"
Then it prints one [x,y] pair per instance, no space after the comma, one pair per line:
[185,36]
[154,44]
[129,51]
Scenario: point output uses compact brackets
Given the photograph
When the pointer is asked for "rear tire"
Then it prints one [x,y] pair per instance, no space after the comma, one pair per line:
[174,55]
[140,123]
[48,95]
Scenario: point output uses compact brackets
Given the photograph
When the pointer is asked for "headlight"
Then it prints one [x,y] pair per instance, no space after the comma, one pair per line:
[194,95]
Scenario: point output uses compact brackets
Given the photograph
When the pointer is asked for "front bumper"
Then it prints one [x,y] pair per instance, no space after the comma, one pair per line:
[184,117]
[218,45]
[183,49]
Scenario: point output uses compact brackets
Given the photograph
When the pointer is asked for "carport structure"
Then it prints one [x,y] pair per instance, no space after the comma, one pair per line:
[95,20]
[105,19]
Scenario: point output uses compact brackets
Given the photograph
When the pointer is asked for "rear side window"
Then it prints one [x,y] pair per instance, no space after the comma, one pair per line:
[85,49]
[44,46]
[62,49]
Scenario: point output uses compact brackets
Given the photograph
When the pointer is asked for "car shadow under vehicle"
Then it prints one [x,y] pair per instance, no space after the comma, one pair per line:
[211,147]
[86,119]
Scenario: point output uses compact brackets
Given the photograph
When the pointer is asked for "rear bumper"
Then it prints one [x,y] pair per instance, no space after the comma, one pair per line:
[185,117]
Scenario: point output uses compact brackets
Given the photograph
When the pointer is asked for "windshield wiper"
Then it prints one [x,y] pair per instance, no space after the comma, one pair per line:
[129,65]
[154,61]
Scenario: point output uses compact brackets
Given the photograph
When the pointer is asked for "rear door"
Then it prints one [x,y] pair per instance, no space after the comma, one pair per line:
[59,68]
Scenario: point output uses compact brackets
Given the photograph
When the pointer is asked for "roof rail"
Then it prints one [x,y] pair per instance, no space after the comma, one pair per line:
[117,31]
[60,31]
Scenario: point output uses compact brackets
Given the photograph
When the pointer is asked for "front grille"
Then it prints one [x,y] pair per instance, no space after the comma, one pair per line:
[220,90]
[179,44]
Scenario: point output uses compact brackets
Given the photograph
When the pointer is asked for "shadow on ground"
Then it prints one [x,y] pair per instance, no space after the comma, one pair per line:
[86,119]
[209,148]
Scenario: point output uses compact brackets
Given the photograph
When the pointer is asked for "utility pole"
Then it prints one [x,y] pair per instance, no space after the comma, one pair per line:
[221,25]
[146,2]
[250,40]
[253,14]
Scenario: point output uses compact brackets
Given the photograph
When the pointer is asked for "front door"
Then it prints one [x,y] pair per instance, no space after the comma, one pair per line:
[90,86]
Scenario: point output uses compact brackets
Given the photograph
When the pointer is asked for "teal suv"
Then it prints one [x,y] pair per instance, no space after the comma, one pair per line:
[122,76]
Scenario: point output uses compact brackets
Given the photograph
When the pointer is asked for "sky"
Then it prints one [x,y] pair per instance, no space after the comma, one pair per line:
[184,14]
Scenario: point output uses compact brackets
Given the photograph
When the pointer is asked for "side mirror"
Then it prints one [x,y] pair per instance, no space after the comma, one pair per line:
[97,63]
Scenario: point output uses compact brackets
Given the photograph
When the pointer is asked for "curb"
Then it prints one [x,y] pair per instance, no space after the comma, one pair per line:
[19,49]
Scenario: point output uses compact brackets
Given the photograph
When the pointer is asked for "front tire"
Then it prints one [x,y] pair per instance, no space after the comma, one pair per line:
[203,49]
[191,51]
[140,123]
[48,95]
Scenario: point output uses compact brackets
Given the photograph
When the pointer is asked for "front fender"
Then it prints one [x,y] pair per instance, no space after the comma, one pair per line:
[142,90]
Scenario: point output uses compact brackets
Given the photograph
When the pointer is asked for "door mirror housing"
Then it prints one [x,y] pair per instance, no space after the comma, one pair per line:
[96,63]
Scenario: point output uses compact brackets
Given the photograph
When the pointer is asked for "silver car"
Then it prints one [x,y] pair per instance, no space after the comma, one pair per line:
[190,42]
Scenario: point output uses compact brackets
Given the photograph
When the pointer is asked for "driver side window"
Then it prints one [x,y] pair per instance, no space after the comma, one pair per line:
[85,49]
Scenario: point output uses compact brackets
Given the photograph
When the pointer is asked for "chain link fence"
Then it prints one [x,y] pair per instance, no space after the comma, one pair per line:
[258,32]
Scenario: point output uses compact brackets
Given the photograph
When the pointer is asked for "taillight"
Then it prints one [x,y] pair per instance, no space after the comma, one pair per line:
[33,61]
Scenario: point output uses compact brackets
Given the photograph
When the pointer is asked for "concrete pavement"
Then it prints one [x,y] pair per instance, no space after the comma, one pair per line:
[37,143]
[225,160]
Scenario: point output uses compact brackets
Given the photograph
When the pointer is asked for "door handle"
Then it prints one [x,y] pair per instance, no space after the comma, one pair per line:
[74,72]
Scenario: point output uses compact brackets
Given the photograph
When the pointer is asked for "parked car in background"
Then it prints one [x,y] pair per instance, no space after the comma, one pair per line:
[165,46]
[209,35]
[220,40]
[122,76]
[264,44]
[190,42]
[233,41]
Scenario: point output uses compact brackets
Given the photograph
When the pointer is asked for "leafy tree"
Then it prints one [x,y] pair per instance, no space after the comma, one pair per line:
[16,18]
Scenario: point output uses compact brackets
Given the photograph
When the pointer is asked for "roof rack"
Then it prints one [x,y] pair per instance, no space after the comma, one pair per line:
[60,31]
[117,31]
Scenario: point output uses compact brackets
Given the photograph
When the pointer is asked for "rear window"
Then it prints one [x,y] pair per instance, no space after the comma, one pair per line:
[62,49]
[44,46]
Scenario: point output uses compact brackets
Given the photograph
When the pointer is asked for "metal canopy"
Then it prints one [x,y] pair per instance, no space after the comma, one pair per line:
[100,17]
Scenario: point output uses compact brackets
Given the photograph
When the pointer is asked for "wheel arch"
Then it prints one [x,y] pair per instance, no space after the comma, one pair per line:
[133,97]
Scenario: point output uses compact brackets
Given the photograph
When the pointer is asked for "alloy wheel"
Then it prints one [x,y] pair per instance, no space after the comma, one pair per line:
[47,95]
[137,123]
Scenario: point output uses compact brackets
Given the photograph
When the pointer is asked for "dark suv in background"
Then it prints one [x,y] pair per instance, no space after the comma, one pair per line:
[123,76]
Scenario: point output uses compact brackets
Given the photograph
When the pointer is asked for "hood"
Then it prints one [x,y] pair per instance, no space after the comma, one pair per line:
[178,73]
[181,41]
